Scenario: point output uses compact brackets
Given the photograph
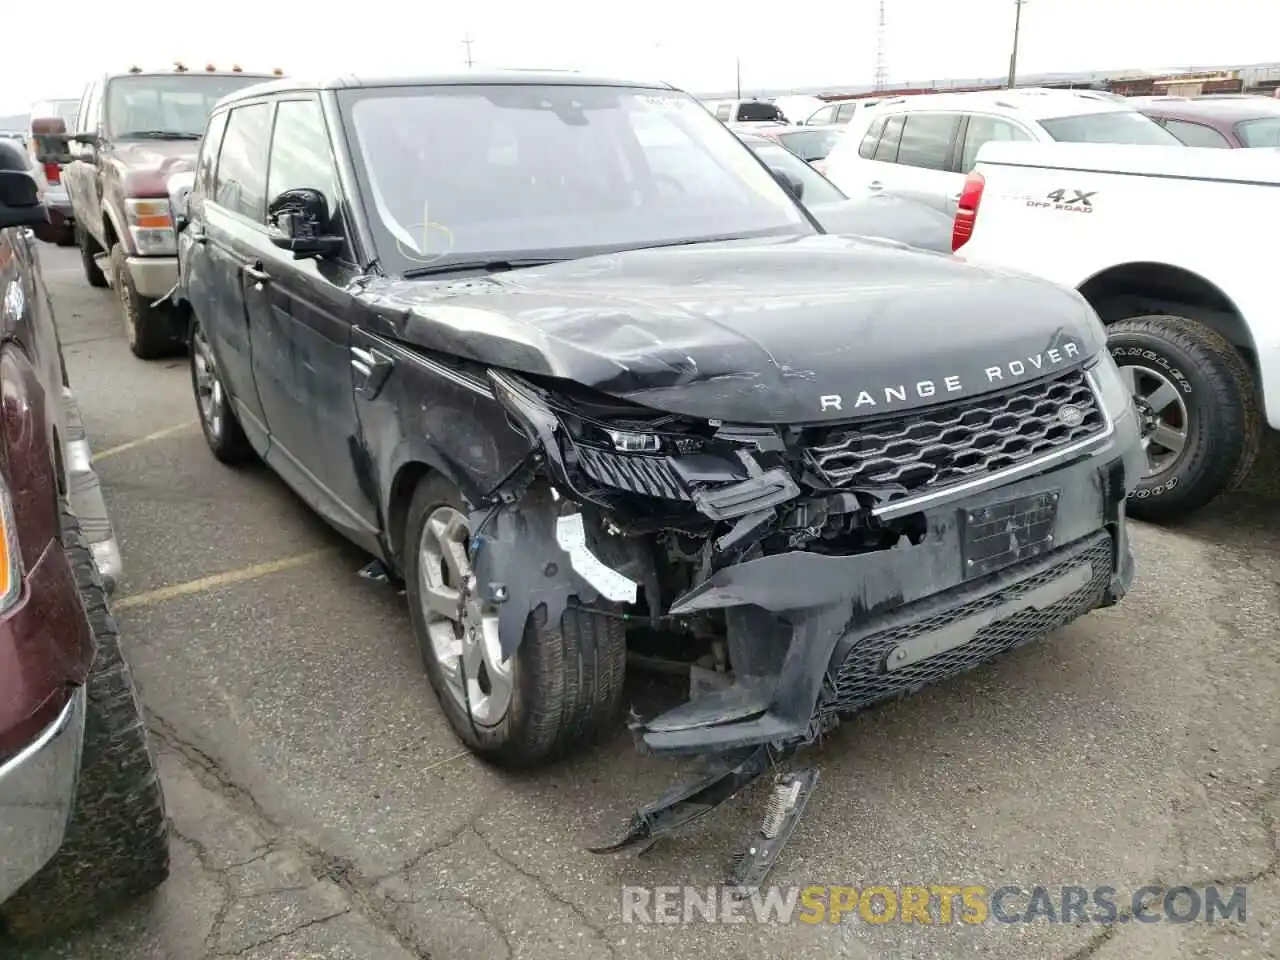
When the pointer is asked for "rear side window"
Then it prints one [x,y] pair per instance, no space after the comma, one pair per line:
[846,112]
[1264,132]
[1113,126]
[241,181]
[927,139]
[1196,134]
[982,130]
[887,148]
[867,149]
[821,116]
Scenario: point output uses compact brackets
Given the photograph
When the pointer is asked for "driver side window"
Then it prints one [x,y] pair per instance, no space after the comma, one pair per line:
[301,157]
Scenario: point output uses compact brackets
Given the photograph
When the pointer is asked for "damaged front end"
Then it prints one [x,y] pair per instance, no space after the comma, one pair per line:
[825,567]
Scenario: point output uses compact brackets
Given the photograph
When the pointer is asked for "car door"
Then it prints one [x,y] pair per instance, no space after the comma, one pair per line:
[301,336]
[980,128]
[228,207]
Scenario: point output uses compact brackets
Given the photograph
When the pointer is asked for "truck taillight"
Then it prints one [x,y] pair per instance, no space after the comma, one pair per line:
[53,173]
[967,210]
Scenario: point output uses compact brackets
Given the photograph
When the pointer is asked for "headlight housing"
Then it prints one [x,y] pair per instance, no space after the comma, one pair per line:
[151,224]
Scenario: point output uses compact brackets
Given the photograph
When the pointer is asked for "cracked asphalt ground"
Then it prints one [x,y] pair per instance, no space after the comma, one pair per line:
[322,809]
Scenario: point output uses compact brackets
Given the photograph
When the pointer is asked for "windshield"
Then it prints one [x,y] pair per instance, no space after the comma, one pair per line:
[1264,132]
[817,188]
[501,171]
[1113,126]
[177,104]
[809,144]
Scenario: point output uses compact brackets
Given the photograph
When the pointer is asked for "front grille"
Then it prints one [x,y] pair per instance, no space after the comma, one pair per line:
[862,679]
[649,476]
[953,442]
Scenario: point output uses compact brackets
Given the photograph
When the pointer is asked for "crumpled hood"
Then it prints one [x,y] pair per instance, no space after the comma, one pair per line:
[774,331]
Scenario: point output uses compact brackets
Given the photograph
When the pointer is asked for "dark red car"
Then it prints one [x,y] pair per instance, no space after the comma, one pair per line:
[1226,121]
[82,816]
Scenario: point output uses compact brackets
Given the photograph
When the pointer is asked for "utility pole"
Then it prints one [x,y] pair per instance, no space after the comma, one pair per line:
[882,63]
[737,63]
[1013,57]
[466,42]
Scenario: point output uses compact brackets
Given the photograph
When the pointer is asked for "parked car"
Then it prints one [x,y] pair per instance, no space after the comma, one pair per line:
[839,112]
[133,131]
[46,144]
[747,111]
[82,815]
[555,398]
[1191,322]
[1216,121]
[922,146]
[810,144]
[892,218]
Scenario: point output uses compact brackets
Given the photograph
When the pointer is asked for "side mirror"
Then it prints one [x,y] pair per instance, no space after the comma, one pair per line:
[791,184]
[84,148]
[179,187]
[51,140]
[20,204]
[298,219]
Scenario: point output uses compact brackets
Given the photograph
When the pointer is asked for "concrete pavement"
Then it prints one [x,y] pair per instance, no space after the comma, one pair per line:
[322,808]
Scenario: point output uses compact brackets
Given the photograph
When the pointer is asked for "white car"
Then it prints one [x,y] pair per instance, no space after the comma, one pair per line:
[922,146]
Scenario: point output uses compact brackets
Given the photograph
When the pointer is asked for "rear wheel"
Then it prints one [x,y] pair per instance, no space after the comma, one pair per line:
[88,250]
[117,842]
[148,329]
[222,430]
[1198,409]
[559,691]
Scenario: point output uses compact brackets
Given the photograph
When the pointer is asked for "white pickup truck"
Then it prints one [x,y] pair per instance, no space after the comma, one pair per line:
[1169,245]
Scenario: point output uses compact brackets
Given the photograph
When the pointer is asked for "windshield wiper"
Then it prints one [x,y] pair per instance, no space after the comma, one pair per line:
[157,135]
[487,266]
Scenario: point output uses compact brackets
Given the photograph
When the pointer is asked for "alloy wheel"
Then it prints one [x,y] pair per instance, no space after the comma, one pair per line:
[209,393]
[463,630]
[1162,416]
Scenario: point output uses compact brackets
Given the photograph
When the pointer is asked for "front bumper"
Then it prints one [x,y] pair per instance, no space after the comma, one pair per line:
[37,789]
[153,277]
[813,637]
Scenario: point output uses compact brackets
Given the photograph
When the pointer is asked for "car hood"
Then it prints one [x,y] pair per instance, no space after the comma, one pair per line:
[153,161]
[883,215]
[776,331]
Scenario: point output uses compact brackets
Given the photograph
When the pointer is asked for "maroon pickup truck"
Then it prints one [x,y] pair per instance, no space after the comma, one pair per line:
[82,816]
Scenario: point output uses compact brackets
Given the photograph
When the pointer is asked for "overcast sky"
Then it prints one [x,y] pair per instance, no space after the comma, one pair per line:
[691,44]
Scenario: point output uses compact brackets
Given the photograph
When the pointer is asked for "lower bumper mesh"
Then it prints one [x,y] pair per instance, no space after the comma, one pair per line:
[862,679]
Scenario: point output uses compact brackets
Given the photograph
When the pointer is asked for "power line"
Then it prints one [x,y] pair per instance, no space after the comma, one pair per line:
[1013,57]
[882,64]
[466,42]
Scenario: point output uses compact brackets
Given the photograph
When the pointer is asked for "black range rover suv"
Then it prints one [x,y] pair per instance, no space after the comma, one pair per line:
[565,356]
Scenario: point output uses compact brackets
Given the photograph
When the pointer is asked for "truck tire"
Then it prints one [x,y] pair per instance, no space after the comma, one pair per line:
[147,328]
[117,842]
[88,250]
[565,681]
[1215,399]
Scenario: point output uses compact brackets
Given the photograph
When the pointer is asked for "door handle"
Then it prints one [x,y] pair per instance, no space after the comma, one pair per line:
[257,274]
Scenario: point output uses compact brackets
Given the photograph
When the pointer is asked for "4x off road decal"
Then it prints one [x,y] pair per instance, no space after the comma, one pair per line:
[1074,201]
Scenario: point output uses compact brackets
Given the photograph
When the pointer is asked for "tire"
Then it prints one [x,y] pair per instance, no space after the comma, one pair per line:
[67,238]
[567,679]
[1223,420]
[117,842]
[148,329]
[88,249]
[218,421]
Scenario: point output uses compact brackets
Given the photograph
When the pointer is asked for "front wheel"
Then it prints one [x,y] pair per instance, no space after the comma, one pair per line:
[560,690]
[222,430]
[148,329]
[1197,408]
